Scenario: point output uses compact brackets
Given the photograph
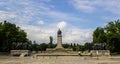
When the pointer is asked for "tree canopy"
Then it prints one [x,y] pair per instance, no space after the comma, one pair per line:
[110,35]
[10,36]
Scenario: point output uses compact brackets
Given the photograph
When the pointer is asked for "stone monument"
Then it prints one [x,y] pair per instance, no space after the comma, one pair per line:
[59,39]
[59,46]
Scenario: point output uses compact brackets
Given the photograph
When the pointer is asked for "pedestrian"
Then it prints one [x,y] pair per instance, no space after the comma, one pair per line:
[79,53]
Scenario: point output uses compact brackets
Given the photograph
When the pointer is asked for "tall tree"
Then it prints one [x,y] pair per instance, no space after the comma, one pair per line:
[50,45]
[113,36]
[110,35]
[9,34]
[99,35]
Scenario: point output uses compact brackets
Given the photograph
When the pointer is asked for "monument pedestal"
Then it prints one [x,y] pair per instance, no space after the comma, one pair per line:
[58,50]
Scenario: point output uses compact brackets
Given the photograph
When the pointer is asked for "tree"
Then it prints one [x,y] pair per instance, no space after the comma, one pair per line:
[99,35]
[1,35]
[113,36]
[50,45]
[43,46]
[109,35]
[71,45]
[77,48]
[88,46]
[35,46]
[66,45]
[9,34]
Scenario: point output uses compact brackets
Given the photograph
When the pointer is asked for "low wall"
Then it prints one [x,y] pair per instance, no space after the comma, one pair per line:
[19,52]
[100,52]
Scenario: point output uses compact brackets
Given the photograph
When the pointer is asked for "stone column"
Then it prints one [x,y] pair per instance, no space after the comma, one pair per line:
[59,39]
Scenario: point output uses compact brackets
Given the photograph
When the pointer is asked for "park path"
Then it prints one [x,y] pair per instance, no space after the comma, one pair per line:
[60,60]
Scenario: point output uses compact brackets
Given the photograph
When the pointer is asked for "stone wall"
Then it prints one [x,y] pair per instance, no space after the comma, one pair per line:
[100,52]
[19,52]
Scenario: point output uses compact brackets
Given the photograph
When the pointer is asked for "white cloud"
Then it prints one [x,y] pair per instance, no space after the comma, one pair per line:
[23,14]
[40,22]
[38,10]
[83,5]
[58,15]
[62,25]
[6,15]
[39,34]
[95,5]
[70,34]
[76,35]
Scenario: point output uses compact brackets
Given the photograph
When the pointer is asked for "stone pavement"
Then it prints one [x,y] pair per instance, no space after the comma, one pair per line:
[60,60]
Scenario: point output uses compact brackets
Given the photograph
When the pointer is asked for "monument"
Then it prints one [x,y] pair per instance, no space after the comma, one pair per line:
[59,40]
[59,46]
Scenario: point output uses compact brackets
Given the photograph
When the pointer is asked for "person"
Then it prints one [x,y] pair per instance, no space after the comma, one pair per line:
[97,53]
[79,53]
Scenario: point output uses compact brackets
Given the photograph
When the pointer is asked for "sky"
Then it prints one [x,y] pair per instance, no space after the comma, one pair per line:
[76,18]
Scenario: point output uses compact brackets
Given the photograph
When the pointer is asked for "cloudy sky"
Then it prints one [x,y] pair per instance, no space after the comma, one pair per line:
[76,18]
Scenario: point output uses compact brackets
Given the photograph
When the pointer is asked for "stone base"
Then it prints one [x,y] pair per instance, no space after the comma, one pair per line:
[58,50]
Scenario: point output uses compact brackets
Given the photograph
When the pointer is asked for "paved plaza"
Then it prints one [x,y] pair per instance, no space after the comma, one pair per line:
[59,60]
